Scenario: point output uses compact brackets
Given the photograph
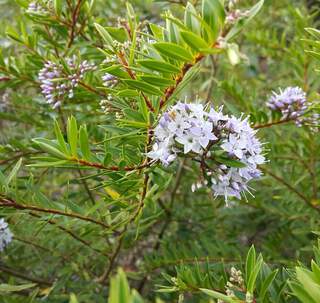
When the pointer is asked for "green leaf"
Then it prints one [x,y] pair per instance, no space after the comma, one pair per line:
[173,51]
[266,284]
[210,51]
[305,277]
[314,54]
[254,274]
[313,32]
[127,93]
[49,147]
[84,142]
[157,31]
[191,22]
[119,289]
[301,293]
[107,159]
[229,162]
[14,172]
[49,163]
[250,262]
[72,134]
[116,33]
[104,34]
[57,4]
[10,32]
[116,70]
[159,66]
[316,271]
[217,295]
[135,297]
[4,288]
[194,41]
[73,298]
[213,14]
[144,87]
[60,138]
[157,81]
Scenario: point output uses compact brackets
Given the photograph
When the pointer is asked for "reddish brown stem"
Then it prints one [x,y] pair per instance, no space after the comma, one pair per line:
[6,202]
[272,123]
[113,168]
[170,90]
[75,16]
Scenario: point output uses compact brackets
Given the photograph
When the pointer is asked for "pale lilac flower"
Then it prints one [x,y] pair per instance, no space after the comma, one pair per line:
[39,7]
[56,84]
[190,130]
[291,102]
[109,80]
[5,234]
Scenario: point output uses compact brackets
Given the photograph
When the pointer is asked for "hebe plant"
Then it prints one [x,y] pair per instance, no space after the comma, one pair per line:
[120,130]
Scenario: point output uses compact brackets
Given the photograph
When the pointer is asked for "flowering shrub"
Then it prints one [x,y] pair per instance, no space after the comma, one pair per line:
[146,146]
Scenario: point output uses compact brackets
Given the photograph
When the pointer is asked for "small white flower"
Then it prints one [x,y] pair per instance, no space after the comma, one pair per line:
[5,234]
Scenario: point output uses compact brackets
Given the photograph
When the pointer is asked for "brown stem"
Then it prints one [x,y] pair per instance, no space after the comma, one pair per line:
[15,273]
[170,90]
[91,89]
[20,155]
[86,187]
[70,233]
[75,15]
[272,123]
[112,168]
[291,188]
[168,219]
[114,256]
[6,202]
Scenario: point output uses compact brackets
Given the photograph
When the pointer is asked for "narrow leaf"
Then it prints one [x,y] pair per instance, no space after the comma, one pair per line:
[84,142]
[159,66]
[194,41]
[72,133]
[144,87]
[173,51]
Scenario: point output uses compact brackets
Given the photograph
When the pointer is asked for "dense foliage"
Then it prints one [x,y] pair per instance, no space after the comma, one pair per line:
[159,151]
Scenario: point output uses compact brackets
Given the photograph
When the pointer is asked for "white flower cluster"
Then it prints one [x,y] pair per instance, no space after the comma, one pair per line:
[5,234]
[105,104]
[226,146]
[4,100]
[235,281]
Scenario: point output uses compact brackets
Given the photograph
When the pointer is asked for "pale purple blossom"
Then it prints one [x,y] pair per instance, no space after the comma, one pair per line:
[39,7]
[191,130]
[291,102]
[58,84]
[109,80]
[5,234]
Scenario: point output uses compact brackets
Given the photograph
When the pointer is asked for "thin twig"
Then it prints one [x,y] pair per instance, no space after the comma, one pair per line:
[7,202]
[71,233]
[272,123]
[290,187]
[13,272]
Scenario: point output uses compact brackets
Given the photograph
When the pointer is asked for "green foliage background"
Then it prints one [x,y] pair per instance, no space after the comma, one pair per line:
[175,241]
